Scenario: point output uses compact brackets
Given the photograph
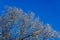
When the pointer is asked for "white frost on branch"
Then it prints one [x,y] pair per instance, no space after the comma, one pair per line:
[27,24]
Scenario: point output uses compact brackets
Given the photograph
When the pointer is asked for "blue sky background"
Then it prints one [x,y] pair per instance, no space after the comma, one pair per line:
[48,10]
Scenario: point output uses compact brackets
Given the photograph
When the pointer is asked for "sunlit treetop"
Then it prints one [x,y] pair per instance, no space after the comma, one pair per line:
[15,24]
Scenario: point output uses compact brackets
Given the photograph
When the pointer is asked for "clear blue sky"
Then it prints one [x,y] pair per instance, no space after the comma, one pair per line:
[48,10]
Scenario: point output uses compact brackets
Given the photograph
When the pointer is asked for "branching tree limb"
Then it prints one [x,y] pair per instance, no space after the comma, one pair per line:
[27,26]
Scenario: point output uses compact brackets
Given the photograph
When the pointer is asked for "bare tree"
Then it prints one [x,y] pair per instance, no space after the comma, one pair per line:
[27,26]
